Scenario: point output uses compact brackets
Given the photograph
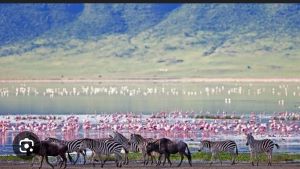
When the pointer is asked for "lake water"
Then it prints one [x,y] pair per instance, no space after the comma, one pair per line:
[87,100]
[67,98]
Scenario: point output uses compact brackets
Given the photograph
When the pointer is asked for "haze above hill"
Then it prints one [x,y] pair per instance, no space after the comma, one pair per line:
[50,41]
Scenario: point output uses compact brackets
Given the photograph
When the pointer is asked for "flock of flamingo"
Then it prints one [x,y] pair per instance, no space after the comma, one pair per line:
[161,124]
[281,91]
[177,124]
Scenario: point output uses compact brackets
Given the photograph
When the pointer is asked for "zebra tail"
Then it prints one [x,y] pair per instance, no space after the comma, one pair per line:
[236,151]
[277,146]
[70,157]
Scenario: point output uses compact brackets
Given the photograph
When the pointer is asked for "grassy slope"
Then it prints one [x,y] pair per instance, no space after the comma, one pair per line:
[108,58]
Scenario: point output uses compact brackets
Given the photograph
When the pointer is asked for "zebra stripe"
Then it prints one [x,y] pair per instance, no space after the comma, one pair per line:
[134,147]
[260,146]
[215,147]
[73,146]
[118,137]
[104,147]
[139,144]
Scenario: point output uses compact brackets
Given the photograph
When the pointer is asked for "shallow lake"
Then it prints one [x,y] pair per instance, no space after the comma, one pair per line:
[68,98]
[206,99]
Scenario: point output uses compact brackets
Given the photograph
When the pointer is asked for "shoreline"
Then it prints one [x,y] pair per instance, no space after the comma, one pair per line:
[139,165]
[154,80]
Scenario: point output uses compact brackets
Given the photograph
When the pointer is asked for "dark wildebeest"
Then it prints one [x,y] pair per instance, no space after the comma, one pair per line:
[166,146]
[46,148]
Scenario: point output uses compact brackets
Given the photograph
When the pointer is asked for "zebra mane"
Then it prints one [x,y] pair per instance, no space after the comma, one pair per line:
[250,136]
[206,143]
[138,137]
[117,134]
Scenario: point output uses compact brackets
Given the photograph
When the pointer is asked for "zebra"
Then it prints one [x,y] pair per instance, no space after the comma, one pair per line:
[139,144]
[260,146]
[220,146]
[136,147]
[105,147]
[110,138]
[118,137]
[73,146]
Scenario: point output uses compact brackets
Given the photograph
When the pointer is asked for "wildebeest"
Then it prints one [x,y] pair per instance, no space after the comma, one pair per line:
[166,147]
[39,158]
[73,146]
[46,148]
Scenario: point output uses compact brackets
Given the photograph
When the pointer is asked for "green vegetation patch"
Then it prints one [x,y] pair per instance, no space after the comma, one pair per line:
[201,156]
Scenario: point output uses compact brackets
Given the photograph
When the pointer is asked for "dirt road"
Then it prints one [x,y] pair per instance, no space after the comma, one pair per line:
[111,165]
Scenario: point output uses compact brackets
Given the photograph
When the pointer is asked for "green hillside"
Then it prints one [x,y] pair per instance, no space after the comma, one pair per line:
[190,40]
